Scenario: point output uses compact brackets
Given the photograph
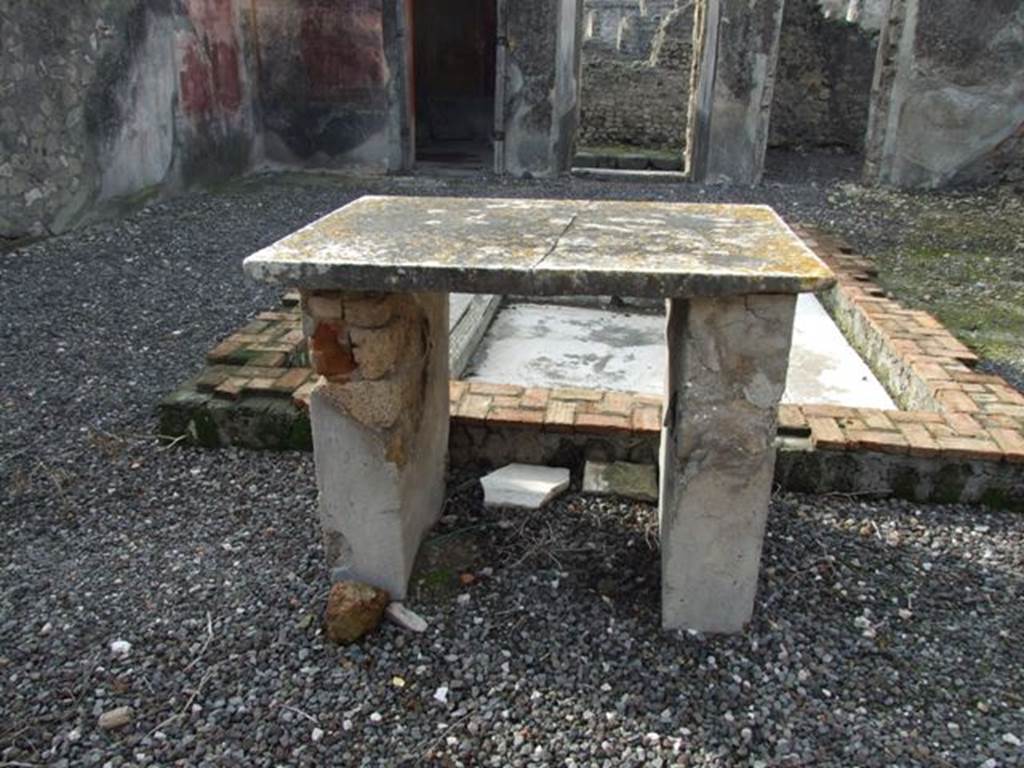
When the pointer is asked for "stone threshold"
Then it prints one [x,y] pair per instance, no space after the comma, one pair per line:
[960,439]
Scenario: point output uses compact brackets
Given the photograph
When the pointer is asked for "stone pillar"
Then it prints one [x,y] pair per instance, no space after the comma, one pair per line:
[735,53]
[727,363]
[380,427]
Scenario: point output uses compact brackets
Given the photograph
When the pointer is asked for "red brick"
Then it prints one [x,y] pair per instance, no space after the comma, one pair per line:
[260,385]
[649,401]
[456,389]
[259,372]
[330,357]
[970,448]
[1006,410]
[514,417]
[270,359]
[646,419]
[300,397]
[920,440]
[223,351]
[486,388]
[876,419]
[791,419]
[560,415]
[929,371]
[535,398]
[826,434]
[995,420]
[963,424]
[210,379]
[846,424]
[576,393]
[973,377]
[473,406]
[1008,395]
[231,387]
[294,379]
[618,403]
[877,441]
[1011,442]
[915,416]
[829,411]
[957,402]
[602,422]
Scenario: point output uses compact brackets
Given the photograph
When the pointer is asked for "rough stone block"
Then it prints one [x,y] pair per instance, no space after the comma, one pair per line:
[621,478]
[378,351]
[380,449]
[369,310]
[726,373]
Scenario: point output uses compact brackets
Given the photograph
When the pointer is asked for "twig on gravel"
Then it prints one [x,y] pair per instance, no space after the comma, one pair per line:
[297,711]
[173,441]
[425,751]
[209,639]
[192,698]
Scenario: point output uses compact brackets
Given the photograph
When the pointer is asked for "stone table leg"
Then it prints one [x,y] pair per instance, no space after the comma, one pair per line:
[727,362]
[380,427]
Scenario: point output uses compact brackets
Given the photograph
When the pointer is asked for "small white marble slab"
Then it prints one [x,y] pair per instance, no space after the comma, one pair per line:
[525,486]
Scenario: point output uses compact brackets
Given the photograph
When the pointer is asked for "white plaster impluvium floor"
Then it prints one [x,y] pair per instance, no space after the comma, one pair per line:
[553,345]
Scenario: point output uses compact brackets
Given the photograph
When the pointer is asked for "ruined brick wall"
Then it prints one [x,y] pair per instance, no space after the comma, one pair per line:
[823,79]
[636,71]
[637,60]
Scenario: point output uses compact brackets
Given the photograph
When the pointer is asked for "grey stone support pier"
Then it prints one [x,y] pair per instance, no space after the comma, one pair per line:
[736,52]
[374,277]
[380,427]
[727,362]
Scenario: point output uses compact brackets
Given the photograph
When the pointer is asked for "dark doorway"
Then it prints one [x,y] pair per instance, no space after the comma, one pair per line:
[455,43]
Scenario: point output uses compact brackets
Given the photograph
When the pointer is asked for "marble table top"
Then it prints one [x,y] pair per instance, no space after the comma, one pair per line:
[544,247]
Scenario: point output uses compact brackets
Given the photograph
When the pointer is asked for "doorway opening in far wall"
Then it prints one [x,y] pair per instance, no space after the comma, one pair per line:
[454,63]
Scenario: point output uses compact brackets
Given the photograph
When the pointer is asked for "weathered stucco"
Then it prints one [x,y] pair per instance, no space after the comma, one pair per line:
[948,96]
[108,99]
[731,98]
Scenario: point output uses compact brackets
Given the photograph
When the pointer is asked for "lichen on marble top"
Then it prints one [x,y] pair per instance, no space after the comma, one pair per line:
[544,247]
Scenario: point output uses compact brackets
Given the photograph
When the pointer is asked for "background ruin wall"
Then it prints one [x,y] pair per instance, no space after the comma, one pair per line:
[105,101]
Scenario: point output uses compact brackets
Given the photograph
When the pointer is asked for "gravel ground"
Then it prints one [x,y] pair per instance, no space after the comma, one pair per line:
[885,633]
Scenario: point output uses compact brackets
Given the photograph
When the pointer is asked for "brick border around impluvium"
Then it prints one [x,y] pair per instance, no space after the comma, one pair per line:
[954,413]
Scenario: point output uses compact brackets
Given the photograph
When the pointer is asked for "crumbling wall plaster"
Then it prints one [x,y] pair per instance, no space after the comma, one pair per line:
[948,97]
[542,68]
[324,72]
[110,98]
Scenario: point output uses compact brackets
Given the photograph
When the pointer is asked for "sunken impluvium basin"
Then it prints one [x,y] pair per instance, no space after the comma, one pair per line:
[375,277]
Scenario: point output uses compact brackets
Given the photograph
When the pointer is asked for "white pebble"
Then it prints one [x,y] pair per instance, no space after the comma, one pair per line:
[120,648]
[441,694]
[1012,739]
[376,717]
[318,734]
